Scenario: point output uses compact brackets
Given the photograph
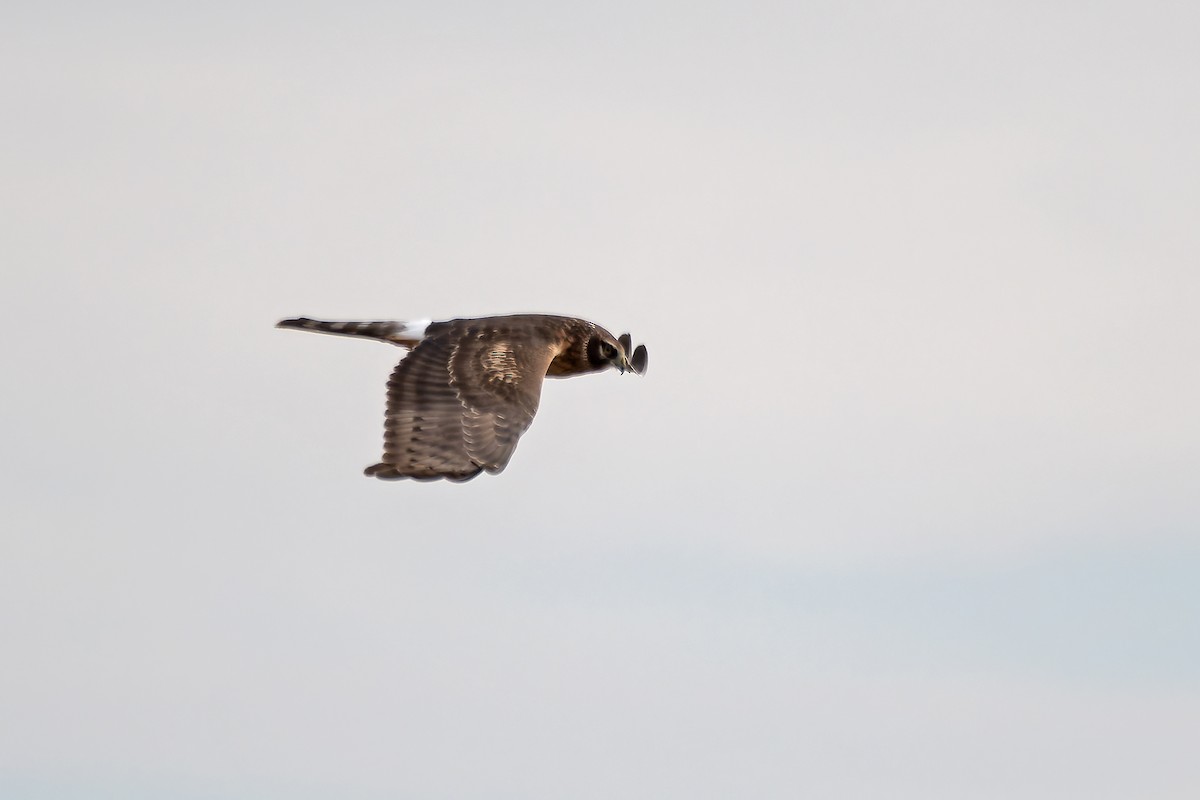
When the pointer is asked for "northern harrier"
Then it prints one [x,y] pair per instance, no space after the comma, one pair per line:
[458,402]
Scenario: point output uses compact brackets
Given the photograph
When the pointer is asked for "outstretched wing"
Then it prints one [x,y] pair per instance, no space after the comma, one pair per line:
[458,403]
[423,431]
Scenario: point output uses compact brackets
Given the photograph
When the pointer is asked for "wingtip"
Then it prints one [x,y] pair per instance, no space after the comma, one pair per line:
[391,472]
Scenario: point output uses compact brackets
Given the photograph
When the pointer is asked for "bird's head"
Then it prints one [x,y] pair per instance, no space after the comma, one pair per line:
[603,351]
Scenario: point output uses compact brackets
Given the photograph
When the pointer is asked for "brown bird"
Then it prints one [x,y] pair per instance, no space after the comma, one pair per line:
[461,398]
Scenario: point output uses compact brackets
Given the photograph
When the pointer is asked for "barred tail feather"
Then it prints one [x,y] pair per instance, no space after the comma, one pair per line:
[405,334]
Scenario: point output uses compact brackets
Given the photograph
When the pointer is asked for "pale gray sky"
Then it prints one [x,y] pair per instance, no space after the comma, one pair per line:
[906,507]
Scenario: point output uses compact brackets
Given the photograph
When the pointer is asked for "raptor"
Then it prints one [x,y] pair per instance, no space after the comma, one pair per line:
[460,399]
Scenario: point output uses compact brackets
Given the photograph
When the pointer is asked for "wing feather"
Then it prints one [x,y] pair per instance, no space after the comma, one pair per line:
[459,402]
[423,429]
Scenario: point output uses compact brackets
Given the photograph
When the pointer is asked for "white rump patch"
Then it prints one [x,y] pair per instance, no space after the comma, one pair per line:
[416,328]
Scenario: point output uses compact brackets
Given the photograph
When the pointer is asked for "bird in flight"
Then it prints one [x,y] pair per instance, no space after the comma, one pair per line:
[460,399]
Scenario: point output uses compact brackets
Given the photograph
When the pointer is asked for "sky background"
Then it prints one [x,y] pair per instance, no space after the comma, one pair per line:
[906,507]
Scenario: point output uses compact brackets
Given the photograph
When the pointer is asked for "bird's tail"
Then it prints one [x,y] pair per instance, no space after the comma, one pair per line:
[405,334]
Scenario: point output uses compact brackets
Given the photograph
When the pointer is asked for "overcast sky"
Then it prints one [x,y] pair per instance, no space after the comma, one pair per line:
[907,506]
